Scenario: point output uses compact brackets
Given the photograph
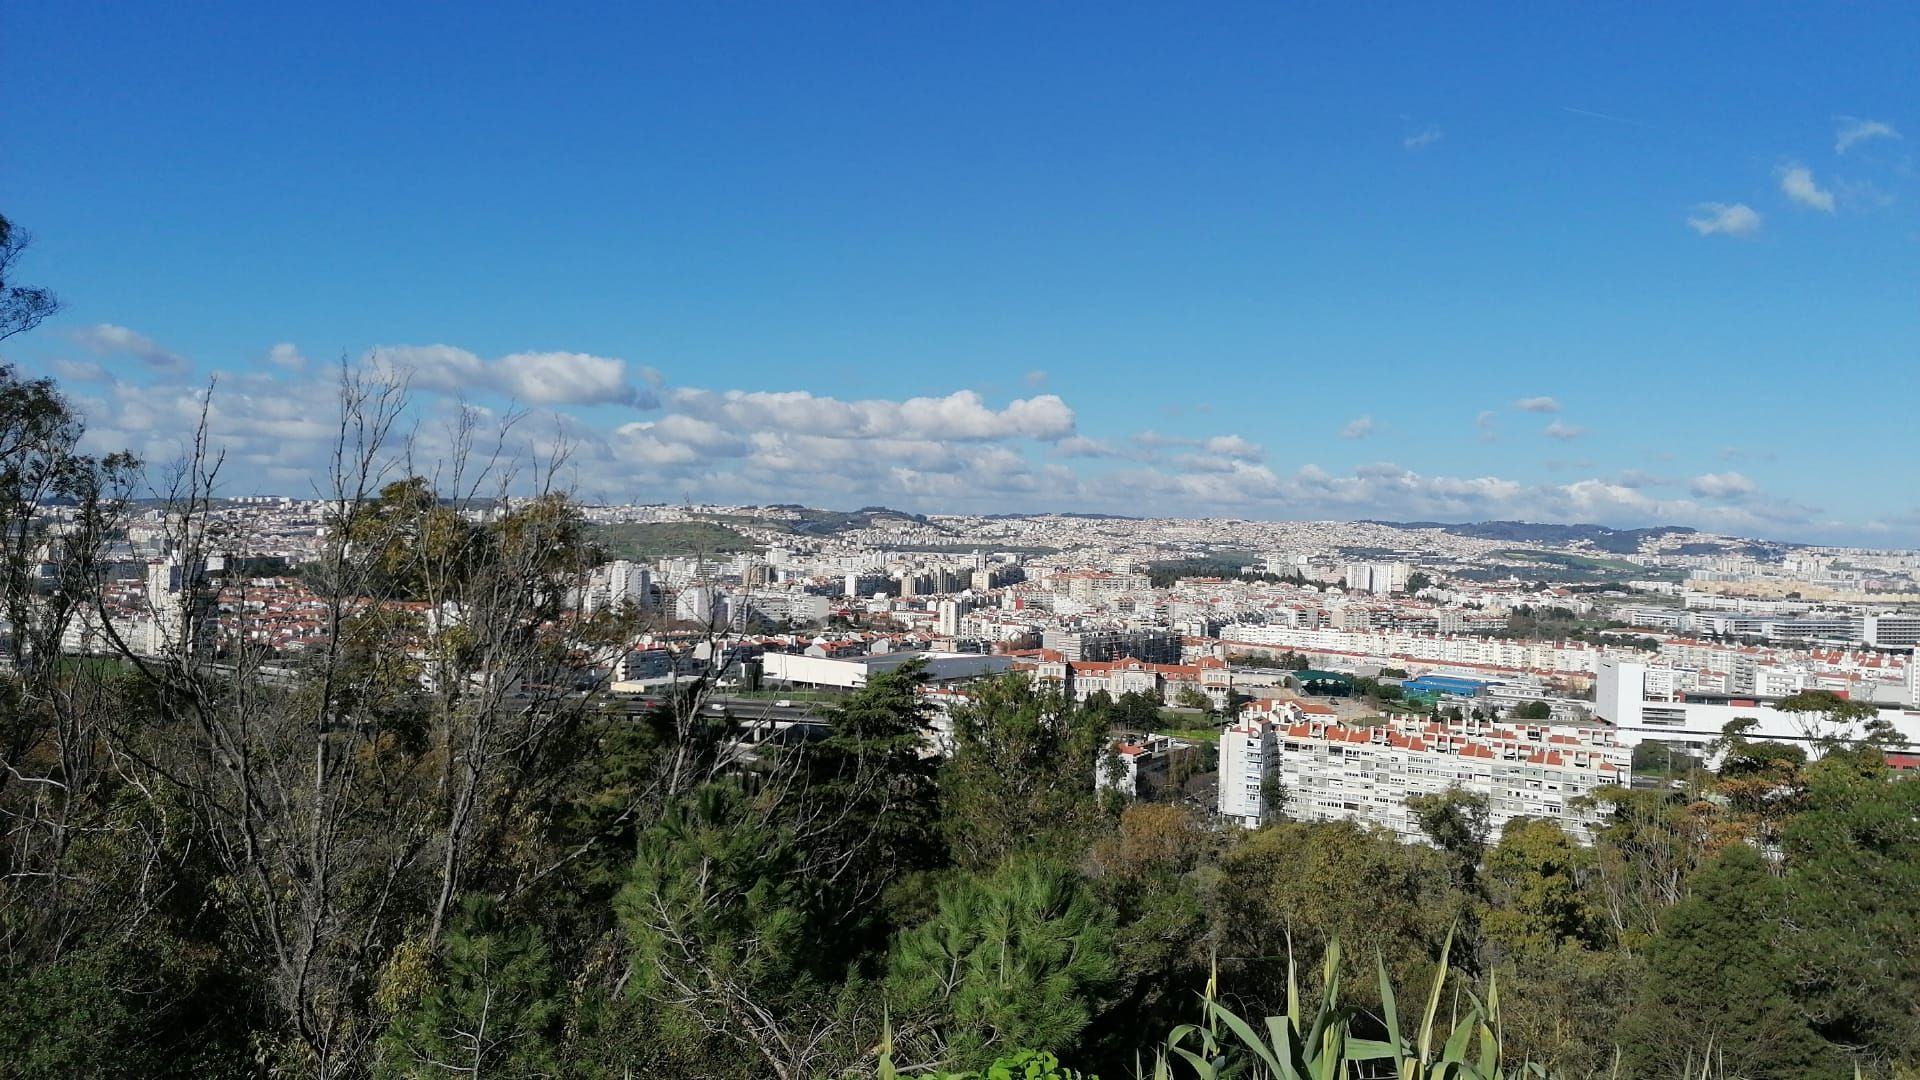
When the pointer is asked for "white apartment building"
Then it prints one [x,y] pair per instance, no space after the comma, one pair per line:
[1571,658]
[1330,771]
[1646,703]
[1380,579]
[949,613]
[1141,766]
[615,584]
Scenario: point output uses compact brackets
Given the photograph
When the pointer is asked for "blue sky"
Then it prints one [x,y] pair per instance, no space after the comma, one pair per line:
[1253,260]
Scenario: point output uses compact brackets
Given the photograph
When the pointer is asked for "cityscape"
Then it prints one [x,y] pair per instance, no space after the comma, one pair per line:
[958,544]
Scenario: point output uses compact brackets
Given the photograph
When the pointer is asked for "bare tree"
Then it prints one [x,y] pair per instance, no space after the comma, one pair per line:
[59,512]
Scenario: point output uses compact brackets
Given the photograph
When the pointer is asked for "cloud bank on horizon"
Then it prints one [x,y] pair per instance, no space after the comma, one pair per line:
[626,433]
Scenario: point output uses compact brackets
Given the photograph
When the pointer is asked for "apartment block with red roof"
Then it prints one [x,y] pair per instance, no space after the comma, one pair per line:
[1291,758]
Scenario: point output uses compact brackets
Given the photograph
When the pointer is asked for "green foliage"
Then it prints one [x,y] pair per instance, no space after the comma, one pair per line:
[1717,986]
[1021,773]
[1852,905]
[1563,1008]
[1192,697]
[712,901]
[1328,1042]
[1163,574]
[1135,710]
[1019,1065]
[655,539]
[1295,887]
[1537,902]
[1020,958]
[489,1006]
[157,1006]
[1457,823]
[1532,710]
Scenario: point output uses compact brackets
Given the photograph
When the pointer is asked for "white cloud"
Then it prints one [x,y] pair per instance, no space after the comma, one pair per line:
[568,378]
[960,415]
[1796,182]
[1386,490]
[1079,446]
[1153,440]
[111,340]
[1233,446]
[1852,130]
[950,453]
[1358,428]
[1422,139]
[1634,478]
[1485,422]
[1726,219]
[442,369]
[1563,431]
[1536,405]
[285,355]
[1725,485]
[1035,378]
[81,371]
[534,378]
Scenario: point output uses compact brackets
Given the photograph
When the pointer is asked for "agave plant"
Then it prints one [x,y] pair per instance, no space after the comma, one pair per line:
[1321,1045]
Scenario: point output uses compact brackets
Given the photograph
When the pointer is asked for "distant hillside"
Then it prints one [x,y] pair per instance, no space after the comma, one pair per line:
[1617,541]
[663,539]
[828,522]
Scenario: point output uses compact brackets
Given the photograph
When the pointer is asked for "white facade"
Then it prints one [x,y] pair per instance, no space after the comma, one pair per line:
[947,616]
[853,671]
[1247,757]
[1329,771]
[168,626]
[701,604]
[1381,579]
[1646,703]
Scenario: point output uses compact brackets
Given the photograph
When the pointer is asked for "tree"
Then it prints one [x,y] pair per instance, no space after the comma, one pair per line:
[22,307]
[1532,710]
[490,1005]
[1137,711]
[1192,697]
[1021,776]
[721,944]
[1563,1009]
[1827,717]
[1717,987]
[871,803]
[1457,822]
[1852,897]
[1016,959]
[1536,900]
[1293,887]
[1652,843]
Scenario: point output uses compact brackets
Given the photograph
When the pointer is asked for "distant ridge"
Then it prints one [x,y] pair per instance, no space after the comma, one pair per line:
[1616,541]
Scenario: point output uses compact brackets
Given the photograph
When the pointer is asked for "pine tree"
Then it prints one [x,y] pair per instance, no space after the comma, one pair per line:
[489,1007]
[1015,960]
